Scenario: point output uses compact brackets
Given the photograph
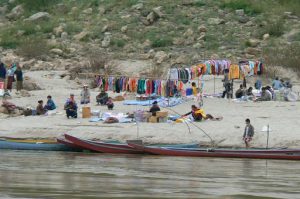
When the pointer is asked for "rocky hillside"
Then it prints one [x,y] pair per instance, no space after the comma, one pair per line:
[89,33]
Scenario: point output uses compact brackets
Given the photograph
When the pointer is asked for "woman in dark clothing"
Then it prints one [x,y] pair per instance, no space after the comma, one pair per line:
[2,72]
[19,78]
[154,108]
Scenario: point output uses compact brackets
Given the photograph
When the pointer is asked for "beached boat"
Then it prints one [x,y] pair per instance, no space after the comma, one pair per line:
[113,147]
[31,144]
[100,147]
[222,154]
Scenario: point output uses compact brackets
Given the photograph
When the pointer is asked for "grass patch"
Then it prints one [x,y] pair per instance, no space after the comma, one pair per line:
[287,56]
[250,7]
[37,5]
[275,29]
[120,43]
[162,42]
[199,3]
[8,39]
[33,47]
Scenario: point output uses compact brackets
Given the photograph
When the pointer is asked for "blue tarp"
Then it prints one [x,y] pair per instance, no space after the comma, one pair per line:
[163,102]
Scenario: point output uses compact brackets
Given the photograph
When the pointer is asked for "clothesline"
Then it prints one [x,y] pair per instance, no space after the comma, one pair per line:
[141,76]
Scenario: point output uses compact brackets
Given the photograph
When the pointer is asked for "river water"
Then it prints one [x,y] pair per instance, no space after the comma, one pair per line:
[31,174]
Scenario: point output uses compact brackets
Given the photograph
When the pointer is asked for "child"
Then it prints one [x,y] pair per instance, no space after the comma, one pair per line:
[110,104]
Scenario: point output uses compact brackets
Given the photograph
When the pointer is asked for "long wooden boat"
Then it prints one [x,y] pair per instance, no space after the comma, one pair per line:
[100,147]
[25,144]
[114,147]
[198,153]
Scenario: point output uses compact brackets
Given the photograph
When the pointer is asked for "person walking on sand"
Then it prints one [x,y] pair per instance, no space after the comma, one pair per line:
[248,133]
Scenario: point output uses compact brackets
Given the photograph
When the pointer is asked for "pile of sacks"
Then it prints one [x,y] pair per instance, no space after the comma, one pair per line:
[11,109]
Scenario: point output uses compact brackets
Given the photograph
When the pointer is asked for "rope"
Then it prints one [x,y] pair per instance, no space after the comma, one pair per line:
[211,140]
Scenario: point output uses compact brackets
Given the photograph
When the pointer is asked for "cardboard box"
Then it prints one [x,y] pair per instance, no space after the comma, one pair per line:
[86,112]
[163,119]
[162,114]
[153,119]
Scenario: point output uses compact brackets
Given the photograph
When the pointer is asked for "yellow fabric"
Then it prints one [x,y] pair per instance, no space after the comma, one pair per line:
[201,111]
[179,120]
[195,90]
[234,72]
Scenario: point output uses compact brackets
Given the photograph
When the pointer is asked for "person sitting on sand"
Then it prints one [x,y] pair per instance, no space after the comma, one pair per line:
[110,104]
[40,110]
[248,133]
[199,114]
[50,105]
[154,108]
[240,92]
[102,97]
[85,95]
[276,84]
[250,94]
[71,107]
[265,95]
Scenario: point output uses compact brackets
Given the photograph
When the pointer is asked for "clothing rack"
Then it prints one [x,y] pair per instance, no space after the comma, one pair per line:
[141,76]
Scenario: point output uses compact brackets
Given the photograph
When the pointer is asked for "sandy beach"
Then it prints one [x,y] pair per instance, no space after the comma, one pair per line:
[282,117]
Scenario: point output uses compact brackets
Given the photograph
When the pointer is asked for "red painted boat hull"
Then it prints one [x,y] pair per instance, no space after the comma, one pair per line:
[195,153]
[68,143]
[102,147]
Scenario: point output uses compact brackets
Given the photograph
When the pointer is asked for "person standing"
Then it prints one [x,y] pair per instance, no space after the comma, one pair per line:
[85,95]
[194,88]
[19,78]
[248,133]
[10,76]
[2,72]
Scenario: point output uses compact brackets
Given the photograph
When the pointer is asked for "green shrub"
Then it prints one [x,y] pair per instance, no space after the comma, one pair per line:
[8,39]
[37,5]
[250,7]
[9,43]
[276,28]
[162,42]
[33,47]
[120,43]
[73,28]
[199,3]
[287,56]
[183,20]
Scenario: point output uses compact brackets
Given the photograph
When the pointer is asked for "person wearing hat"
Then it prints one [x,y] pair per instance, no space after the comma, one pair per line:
[40,108]
[71,107]
[50,105]
[154,108]
[85,95]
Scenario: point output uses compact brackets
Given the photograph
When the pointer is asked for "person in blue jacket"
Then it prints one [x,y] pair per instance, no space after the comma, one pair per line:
[50,105]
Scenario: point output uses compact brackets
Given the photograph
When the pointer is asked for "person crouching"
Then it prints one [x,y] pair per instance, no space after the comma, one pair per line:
[110,104]
[71,107]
